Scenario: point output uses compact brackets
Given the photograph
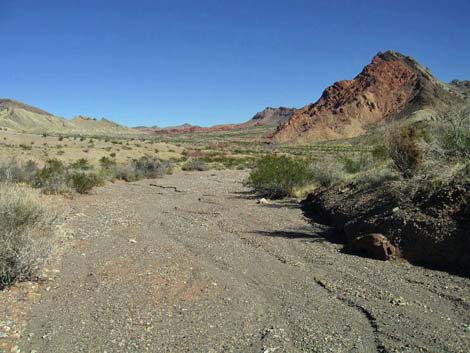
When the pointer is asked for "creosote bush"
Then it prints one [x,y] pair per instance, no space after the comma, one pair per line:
[25,235]
[277,177]
[82,182]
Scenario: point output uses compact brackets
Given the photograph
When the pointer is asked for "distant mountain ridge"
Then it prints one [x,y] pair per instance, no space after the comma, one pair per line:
[392,86]
[19,116]
[268,117]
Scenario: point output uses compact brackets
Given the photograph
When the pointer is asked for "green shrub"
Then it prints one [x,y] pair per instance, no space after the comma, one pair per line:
[82,182]
[195,165]
[25,231]
[278,177]
[81,164]
[107,163]
[52,178]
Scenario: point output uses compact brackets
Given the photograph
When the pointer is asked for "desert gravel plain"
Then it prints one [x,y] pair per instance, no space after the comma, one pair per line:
[192,263]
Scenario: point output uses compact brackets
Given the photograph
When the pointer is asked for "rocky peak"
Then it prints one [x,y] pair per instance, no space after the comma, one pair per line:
[390,86]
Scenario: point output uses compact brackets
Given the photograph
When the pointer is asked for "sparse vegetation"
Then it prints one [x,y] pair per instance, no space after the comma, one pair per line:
[195,165]
[52,178]
[25,235]
[142,168]
[14,172]
[83,181]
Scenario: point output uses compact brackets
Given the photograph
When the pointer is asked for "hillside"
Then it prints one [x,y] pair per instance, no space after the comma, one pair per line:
[271,116]
[392,86]
[22,117]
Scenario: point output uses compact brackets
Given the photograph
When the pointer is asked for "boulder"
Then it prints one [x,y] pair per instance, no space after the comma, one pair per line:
[374,245]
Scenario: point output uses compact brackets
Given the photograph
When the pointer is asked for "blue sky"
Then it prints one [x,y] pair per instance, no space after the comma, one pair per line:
[211,61]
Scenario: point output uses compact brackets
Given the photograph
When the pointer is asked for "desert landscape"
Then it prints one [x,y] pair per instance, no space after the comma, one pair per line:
[346,218]
[234,177]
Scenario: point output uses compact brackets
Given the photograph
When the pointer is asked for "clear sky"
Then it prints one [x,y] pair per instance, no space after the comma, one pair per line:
[206,62]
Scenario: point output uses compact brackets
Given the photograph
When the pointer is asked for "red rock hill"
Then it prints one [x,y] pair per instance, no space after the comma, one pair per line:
[390,87]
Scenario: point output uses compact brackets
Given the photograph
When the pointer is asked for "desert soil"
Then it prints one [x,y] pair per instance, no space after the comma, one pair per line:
[191,263]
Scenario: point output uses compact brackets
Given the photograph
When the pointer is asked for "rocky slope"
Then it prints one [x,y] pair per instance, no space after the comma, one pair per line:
[390,87]
[22,117]
[271,116]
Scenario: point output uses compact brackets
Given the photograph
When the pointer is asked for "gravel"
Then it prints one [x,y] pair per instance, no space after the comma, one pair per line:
[192,263]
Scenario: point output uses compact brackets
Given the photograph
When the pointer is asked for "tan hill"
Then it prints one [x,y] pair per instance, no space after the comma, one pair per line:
[22,117]
[392,86]
[101,126]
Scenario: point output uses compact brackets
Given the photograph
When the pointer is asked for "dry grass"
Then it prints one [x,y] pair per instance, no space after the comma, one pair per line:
[25,234]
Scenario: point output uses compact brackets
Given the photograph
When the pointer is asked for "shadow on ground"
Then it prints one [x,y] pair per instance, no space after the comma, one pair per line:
[319,235]
[281,203]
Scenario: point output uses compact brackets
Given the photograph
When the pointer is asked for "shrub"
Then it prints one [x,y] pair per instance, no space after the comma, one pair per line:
[277,177]
[81,164]
[456,133]
[405,151]
[52,179]
[195,164]
[375,178]
[356,164]
[82,182]
[142,168]
[15,172]
[25,229]
[150,168]
[327,173]
[125,172]
[107,163]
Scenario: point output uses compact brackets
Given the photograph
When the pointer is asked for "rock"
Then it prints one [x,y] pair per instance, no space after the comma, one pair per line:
[374,245]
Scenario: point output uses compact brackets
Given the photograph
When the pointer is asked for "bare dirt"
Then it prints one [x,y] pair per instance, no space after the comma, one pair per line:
[191,263]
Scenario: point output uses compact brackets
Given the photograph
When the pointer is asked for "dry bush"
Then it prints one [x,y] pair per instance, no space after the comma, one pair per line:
[15,172]
[328,172]
[195,165]
[25,235]
[405,150]
[142,168]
